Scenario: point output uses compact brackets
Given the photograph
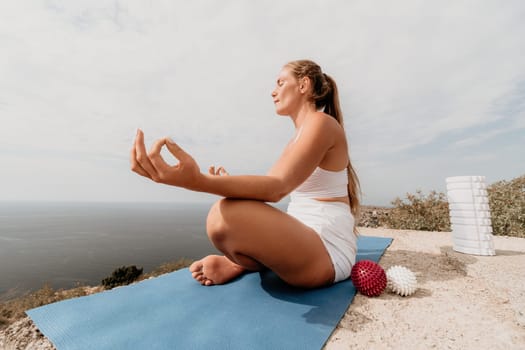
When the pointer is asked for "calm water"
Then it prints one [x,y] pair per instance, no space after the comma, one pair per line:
[65,243]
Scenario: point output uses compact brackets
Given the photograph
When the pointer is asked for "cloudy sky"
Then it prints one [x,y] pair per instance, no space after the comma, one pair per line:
[429,89]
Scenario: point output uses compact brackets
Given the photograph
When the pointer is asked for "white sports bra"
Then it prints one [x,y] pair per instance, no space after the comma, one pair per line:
[323,184]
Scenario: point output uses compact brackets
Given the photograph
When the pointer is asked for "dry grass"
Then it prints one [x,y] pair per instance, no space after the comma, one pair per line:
[430,212]
[507,206]
[14,309]
[420,212]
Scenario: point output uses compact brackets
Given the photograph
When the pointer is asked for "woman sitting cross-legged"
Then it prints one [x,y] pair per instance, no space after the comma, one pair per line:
[313,244]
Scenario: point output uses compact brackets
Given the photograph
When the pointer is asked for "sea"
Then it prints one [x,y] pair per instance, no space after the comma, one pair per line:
[64,244]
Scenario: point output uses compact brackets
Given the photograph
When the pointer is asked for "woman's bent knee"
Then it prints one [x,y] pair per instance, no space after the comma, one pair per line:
[222,218]
[215,223]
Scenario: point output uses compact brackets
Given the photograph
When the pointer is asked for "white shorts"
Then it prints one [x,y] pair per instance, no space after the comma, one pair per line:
[334,223]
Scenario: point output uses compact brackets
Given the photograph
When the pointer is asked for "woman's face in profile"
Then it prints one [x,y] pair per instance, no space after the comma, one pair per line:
[286,93]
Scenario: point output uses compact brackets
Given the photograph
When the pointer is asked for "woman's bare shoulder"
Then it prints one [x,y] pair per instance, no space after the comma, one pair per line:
[322,117]
[323,121]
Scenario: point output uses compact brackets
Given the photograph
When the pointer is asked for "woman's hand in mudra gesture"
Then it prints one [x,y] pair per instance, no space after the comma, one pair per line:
[151,164]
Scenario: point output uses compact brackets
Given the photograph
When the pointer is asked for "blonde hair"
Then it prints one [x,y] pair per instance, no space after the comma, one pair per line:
[325,94]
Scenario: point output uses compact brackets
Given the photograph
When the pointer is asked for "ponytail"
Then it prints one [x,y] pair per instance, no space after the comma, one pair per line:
[333,108]
[325,95]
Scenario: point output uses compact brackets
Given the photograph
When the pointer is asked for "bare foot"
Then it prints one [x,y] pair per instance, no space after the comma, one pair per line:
[215,269]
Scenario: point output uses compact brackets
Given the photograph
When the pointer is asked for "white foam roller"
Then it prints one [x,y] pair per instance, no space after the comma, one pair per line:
[469,243]
[470,215]
[483,214]
[466,197]
[468,206]
[484,243]
[466,186]
[474,251]
[471,191]
[464,230]
[468,192]
[465,179]
[472,235]
[470,221]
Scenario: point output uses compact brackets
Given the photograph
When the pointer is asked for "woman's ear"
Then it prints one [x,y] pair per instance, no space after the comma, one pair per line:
[304,84]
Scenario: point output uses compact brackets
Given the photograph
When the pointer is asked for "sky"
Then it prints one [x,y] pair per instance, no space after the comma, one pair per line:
[428,89]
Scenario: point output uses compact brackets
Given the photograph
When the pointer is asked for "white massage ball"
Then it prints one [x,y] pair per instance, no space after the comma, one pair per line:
[401,280]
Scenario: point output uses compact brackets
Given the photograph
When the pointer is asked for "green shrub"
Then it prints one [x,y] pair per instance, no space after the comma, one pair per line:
[122,276]
[507,207]
[420,212]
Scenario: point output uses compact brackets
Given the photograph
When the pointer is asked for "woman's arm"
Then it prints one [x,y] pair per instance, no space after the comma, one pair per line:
[257,187]
[297,162]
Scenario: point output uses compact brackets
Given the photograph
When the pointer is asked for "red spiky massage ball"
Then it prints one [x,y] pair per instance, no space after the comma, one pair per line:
[369,278]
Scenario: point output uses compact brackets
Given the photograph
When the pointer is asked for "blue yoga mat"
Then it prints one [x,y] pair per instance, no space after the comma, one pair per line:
[173,311]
